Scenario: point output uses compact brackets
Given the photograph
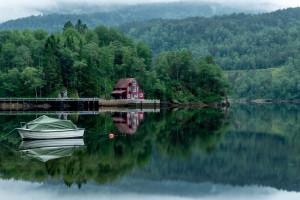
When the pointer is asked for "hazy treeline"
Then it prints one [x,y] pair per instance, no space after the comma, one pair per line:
[119,14]
[89,62]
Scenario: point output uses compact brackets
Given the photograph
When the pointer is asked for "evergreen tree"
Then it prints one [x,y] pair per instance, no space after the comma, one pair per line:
[68,25]
[81,28]
[50,65]
[89,80]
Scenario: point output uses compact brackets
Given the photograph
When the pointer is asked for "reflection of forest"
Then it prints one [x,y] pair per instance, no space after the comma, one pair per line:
[174,134]
[261,148]
[280,119]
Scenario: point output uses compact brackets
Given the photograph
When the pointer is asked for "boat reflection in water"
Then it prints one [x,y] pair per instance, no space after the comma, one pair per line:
[128,122]
[45,150]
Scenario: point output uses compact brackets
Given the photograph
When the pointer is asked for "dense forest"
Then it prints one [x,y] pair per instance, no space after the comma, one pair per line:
[259,52]
[88,62]
[236,41]
[118,14]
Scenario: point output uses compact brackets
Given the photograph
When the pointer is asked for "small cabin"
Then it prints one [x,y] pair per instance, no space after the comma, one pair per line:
[127,88]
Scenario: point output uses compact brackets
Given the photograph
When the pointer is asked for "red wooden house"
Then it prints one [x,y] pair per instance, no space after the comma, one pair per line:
[128,122]
[127,88]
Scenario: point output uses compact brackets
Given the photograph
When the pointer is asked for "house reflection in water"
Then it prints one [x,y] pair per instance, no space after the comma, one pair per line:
[128,122]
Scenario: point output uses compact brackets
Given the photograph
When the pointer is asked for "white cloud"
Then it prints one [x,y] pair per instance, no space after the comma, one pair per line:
[12,9]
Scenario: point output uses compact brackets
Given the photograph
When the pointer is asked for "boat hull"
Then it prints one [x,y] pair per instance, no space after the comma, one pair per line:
[27,134]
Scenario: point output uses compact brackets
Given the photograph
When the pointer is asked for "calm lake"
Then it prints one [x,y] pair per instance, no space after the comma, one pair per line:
[249,151]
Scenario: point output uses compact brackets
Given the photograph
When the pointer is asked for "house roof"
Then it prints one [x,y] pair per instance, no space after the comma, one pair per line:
[123,82]
[118,91]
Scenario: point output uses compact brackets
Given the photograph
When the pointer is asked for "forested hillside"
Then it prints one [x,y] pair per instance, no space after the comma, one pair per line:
[237,41]
[251,43]
[272,83]
[84,61]
[112,17]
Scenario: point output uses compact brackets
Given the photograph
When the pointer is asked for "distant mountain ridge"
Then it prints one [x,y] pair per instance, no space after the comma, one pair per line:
[115,17]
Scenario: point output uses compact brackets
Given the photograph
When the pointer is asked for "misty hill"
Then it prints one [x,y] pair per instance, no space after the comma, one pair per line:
[113,16]
[237,41]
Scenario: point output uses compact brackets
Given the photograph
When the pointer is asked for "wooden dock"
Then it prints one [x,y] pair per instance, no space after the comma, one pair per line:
[49,104]
[87,104]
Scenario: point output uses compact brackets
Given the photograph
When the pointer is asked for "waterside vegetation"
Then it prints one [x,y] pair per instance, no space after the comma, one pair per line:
[88,62]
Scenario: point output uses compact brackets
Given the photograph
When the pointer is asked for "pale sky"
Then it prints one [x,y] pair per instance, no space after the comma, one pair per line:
[13,9]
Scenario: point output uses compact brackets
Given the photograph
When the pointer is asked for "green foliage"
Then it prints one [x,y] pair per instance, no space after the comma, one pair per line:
[213,84]
[78,59]
[182,79]
[81,28]
[50,64]
[32,79]
[67,25]
[89,82]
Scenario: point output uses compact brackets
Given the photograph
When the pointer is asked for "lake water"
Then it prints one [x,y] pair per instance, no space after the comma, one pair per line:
[249,151]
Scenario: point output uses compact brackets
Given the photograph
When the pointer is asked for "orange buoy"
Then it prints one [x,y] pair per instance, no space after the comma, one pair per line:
[111,135]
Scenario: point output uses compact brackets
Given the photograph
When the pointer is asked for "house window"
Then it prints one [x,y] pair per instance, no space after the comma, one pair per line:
[134,82]
[128,96]
[141,94]
[134,88]
[128,88]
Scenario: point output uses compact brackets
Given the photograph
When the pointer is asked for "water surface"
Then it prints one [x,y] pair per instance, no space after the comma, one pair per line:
[248,151]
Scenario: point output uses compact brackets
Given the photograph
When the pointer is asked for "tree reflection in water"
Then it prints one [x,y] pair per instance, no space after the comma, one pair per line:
[171,133]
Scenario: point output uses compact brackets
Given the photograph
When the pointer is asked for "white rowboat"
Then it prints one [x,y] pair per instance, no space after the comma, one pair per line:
[50,128]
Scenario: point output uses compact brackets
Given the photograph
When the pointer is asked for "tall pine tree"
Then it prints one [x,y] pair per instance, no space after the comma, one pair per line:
[50,65]
[89,82]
